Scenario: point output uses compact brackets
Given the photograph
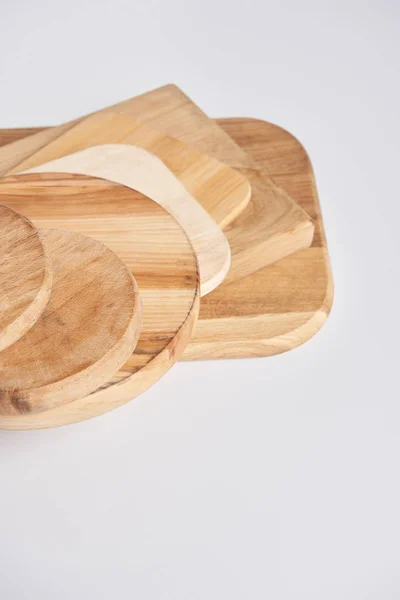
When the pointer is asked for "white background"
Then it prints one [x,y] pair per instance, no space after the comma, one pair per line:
[271,478]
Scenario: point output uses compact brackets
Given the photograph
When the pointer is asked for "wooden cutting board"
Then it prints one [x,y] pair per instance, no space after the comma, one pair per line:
[87,331]
[270,227]
[281,306]
[25,276]
[222,191]
[146,173]
[154,247]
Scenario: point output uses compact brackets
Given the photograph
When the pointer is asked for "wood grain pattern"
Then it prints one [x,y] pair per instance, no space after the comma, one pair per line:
[279,307]
[270,227]
[25,276]
[222,191]
[87,331]
[154,247]
[140,170]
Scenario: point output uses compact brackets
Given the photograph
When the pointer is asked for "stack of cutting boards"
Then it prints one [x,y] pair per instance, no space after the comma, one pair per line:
[144,234]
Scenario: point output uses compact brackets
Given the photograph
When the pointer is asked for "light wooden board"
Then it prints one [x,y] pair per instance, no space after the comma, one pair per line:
[272,226]
[222,191]
[139,169]
[154,247]
[87,331]
[25,276]
[281,306]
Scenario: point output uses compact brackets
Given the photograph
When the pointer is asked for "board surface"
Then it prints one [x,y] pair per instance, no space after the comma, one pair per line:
[289,301]
[154,247]
[87,331]
[272,225]
[142,171]
[222,191]
[25,276]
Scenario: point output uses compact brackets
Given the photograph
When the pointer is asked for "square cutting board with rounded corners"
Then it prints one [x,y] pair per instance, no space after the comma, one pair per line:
[277,307]
[271,226]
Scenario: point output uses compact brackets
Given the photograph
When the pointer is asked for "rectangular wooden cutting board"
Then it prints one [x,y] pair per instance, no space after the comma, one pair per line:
[280,306]
[270,227]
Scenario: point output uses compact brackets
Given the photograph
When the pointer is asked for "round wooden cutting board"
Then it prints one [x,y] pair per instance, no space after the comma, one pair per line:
[88,329]
[25,276]
[153,246]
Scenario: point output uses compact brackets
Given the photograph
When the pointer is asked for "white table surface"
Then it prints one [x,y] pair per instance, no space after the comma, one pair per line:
[271,478]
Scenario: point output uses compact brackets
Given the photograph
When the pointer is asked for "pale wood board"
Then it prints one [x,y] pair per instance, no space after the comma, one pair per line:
[281,306]
[272,225]
[139,169]
[87,331]
[25,276]
[221,190]
[153,246]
